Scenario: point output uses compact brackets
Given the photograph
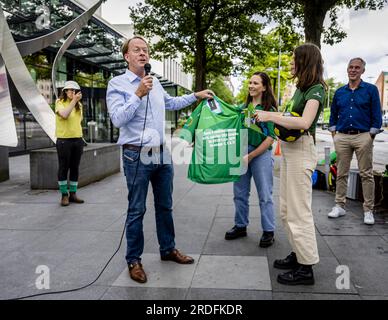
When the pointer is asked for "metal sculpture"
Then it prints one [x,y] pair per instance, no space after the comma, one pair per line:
[11,57]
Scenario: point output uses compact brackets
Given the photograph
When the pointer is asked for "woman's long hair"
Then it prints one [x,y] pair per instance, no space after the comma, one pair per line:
[63,97]
[268,100]
[308,66]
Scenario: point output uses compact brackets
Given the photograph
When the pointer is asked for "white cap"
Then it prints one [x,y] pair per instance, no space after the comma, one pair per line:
[71,85]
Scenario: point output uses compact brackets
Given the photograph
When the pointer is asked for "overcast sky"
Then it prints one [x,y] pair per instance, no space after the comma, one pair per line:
[367,38]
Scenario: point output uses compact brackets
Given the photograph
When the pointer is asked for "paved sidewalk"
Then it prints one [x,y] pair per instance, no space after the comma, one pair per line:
[75,242]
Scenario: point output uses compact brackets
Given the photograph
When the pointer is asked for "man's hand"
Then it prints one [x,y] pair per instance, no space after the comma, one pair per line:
[204,94]
[145,86]
[333,134]
[373,136]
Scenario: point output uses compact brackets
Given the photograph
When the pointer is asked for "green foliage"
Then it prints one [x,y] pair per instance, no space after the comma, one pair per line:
[333,86]
[268,61]
[221,90]
[309,16]
[95,80]
[38,66]
[208,33]
[268,65]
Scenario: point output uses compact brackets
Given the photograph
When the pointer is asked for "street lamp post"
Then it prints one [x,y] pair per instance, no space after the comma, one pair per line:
[279,66]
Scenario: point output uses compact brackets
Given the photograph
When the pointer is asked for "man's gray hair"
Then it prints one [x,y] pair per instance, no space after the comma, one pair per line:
[359,59]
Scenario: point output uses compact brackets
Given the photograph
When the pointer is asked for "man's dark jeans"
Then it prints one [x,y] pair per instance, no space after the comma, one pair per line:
[161,177]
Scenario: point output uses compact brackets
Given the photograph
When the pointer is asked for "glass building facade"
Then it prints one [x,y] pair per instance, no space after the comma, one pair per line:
[92,59]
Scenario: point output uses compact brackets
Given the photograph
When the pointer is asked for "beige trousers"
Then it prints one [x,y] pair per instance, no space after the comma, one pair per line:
[362,145]
[298,163]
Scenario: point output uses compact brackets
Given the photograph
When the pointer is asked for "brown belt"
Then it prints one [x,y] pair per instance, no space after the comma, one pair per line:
[131,147]
[352,132]
[138,148]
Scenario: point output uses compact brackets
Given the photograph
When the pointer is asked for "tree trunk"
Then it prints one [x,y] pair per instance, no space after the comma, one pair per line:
[314,15]
[200,51]
[200,63]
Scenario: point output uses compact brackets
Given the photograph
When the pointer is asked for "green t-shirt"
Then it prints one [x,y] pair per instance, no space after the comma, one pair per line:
[215,127]
[256,138]
[299,99]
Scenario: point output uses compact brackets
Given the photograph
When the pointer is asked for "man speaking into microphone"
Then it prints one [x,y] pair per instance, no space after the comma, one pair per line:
[136,103]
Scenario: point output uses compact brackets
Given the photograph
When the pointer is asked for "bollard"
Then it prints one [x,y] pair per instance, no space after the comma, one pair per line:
[92,131]
[327,166]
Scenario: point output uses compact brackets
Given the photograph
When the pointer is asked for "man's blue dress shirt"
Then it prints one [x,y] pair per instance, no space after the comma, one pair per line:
[357,109]
[127,110]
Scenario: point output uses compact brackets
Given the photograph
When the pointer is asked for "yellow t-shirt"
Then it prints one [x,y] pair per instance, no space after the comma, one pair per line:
[70,127]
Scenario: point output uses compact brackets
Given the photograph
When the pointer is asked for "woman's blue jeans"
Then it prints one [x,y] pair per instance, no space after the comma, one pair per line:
[261,168]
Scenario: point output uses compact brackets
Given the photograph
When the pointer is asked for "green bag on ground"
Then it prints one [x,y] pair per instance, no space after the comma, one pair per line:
[219,141]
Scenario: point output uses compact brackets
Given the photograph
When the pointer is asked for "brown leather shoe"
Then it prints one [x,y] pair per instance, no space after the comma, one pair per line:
[73,198]
[178,257]
[65,200]
[137,273]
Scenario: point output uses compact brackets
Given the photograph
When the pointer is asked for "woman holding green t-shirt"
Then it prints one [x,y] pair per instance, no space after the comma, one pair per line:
[298,163]
[259,163]
[68,111]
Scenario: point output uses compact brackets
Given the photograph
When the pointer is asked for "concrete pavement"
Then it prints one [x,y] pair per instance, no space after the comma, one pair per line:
[75,242]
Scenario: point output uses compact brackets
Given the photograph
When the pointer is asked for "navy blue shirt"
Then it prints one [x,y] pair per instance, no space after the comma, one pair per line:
[357,109]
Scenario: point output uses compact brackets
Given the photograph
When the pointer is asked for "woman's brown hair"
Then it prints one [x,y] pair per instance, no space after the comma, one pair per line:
[268,100]
[63,97]
[308,66]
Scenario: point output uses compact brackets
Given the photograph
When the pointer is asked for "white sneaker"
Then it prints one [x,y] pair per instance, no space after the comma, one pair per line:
[336,212]
[368,218]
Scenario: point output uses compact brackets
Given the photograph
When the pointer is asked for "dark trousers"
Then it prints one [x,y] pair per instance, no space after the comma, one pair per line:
[69,152]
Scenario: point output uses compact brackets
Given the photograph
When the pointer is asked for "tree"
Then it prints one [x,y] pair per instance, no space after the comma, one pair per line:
[332,88]
[268,61]
[38,65]
[219,87]
[208,33]
[268,65]
[310,15]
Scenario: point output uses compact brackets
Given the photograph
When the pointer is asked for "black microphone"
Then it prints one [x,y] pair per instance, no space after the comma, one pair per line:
[147,69]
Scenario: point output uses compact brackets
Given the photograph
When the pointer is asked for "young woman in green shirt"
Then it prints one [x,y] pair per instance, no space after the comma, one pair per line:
[298,163]
[68,111]
[259,164]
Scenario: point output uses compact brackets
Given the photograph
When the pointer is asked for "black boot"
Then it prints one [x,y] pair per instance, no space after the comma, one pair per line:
[267,239]
[289,262]
[303,274]
[236,232]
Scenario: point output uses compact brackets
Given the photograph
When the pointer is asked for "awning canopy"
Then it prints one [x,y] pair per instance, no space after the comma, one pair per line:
[97,44]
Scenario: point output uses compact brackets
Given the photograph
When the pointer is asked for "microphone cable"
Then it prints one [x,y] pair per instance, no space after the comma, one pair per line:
[125,224]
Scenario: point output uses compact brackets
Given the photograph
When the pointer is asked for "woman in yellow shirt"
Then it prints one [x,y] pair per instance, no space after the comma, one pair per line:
[68,111]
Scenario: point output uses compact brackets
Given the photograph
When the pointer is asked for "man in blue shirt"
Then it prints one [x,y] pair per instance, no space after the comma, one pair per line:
[355,120]
[145,159]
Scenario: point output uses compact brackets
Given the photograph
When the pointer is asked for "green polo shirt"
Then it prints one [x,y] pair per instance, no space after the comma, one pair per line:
[255,138]
[300,98]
